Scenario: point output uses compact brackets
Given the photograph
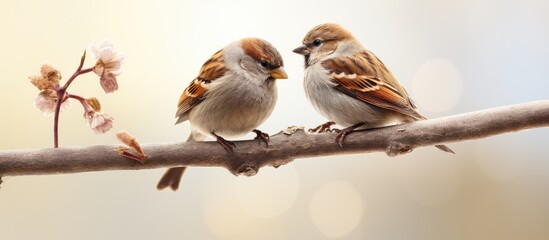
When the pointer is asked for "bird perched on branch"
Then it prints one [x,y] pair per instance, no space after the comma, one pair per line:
[233,94]
[350,86]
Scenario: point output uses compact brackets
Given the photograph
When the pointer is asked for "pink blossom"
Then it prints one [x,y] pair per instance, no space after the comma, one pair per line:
[108,59]
[99,122]
[46,102]
[108,83]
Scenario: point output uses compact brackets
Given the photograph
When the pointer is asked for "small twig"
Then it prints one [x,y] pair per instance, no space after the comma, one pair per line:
[61,97]
[283,148]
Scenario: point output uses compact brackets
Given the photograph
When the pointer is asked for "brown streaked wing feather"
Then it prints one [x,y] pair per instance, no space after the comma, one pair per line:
[211,70]
[364,77]
[192,95]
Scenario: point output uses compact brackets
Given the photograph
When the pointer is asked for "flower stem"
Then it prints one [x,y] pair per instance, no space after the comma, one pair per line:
[79,98]
[82,100]
[60,94]
[78,72]
[61,97]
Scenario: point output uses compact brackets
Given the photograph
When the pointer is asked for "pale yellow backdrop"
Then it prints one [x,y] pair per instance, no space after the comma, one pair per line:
[452,56]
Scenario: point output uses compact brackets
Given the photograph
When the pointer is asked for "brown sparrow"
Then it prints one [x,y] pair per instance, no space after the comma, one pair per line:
[233,94]
[349,85]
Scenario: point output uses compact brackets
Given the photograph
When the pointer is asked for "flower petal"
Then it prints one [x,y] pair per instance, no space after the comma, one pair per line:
[109,61]
[46,102]
[101,122]
[108,83]
[94,48]
[114,67]
[105,54]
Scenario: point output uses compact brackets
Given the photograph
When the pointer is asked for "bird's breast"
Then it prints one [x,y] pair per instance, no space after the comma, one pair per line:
[234,109]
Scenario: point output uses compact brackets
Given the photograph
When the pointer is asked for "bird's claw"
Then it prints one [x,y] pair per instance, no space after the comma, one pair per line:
[228,145]
[261,136]
[322,128]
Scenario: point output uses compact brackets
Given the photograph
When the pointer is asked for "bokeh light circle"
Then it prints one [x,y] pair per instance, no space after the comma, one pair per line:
[223,214]
[437,85]
[431,180]
[270,193]
[336,209]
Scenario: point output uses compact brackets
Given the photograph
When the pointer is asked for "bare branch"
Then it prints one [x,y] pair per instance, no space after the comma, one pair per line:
[249,156]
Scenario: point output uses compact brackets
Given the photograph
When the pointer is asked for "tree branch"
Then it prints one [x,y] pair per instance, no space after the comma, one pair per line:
[249,156]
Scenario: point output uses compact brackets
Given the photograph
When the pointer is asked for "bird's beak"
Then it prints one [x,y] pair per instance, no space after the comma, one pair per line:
[279,73]
[303,50]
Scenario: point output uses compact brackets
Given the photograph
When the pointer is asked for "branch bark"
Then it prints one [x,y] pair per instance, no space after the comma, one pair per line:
[249,156]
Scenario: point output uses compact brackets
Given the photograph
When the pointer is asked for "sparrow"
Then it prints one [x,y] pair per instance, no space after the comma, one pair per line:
[233,94]
[350,86]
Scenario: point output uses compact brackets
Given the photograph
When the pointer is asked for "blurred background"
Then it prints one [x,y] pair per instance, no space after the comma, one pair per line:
[453,56]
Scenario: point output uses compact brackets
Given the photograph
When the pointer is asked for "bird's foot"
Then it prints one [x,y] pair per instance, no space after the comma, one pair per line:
[261,136]
[228,145]
[323,128]
[341,134]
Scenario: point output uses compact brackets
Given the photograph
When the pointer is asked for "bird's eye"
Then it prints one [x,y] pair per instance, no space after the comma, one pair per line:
[317,42]
[264,64]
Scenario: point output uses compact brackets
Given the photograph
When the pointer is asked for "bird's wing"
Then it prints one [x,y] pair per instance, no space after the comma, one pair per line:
[197,90]
[363,76]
